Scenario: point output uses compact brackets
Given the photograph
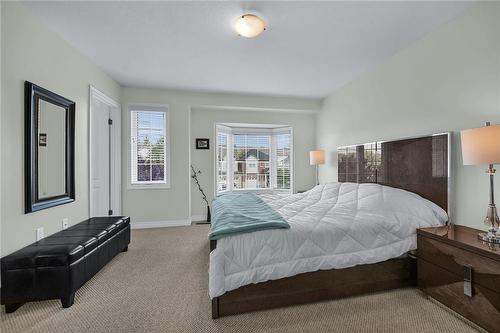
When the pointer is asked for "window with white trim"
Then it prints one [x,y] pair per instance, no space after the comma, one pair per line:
[222,161]
[149,147]
[253,158]
[283,160]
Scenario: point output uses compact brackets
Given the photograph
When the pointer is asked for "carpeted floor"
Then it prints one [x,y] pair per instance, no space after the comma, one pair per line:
[160,285]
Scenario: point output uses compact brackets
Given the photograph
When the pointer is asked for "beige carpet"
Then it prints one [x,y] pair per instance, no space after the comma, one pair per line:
[160,285]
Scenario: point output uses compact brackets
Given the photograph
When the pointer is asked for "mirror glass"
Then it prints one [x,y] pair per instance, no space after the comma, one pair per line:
[51,138]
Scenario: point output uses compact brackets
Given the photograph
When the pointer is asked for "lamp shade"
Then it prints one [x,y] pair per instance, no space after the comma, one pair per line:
[481,145]
[317,157]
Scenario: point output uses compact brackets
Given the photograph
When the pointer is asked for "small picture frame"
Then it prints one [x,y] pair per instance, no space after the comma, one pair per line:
[202,144]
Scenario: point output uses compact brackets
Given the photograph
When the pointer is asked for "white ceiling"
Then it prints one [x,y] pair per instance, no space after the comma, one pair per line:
[309,49]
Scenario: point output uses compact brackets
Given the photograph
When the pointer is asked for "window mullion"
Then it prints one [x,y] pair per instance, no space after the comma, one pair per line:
[290,160]
[164,133]
[150,130]
[230,161]
[133,152]
[272,162]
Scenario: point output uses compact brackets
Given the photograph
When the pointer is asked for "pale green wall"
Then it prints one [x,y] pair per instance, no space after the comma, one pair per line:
[1,80]
[31,52]
[448,81]
[202,126]
[174,204]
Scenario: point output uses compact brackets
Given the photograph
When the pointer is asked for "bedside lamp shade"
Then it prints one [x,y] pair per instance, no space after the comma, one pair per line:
[481,145]
[317,157]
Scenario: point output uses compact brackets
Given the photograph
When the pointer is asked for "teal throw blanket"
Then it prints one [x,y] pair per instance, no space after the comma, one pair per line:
[241,213]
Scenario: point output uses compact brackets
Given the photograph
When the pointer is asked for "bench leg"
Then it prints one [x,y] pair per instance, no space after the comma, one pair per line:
[68,301]
[11,307]
[125,249]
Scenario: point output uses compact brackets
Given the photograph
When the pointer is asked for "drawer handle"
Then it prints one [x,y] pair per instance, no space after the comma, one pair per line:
[468,281]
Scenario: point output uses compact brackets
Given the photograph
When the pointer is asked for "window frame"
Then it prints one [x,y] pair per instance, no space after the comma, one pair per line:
[152,185]
[252,129]
[229,151]
[278,131]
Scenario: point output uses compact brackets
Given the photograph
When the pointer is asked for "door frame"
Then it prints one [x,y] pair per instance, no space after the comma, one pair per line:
[115,178]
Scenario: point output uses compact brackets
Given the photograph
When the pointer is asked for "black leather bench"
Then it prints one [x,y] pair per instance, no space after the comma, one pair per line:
[56,266]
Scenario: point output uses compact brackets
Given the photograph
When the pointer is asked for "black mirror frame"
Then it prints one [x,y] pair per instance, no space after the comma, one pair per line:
[32,94]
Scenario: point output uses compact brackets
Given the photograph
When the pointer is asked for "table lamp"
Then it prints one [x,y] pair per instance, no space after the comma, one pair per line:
[482,146]
[317,157]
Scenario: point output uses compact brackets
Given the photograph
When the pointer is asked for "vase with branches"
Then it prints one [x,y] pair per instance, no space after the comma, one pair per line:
[194,175]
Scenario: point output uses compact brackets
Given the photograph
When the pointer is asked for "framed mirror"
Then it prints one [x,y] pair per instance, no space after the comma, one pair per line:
[49,149]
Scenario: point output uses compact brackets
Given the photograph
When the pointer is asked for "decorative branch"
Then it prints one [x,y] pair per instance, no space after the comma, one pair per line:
[194,175]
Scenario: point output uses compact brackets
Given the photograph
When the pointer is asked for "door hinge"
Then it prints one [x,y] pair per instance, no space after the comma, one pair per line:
[110,212]
[110,121]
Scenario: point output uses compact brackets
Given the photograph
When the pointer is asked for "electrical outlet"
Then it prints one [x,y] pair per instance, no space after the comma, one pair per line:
[65,223]
[39,233]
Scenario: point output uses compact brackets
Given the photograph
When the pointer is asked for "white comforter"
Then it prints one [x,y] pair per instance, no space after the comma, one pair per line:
[334,225]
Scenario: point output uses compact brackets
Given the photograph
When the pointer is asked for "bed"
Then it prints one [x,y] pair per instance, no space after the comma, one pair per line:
[345,238]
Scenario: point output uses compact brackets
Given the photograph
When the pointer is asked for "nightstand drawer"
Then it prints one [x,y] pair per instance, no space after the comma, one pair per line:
[485,271]
[448,288]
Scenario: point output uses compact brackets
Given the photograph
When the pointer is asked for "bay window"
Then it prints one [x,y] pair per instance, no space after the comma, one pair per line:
[253,158]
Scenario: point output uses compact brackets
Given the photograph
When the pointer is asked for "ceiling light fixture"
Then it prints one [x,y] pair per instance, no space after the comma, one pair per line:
[250,25]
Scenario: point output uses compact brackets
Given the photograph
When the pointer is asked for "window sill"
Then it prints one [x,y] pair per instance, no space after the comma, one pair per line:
[257,190]
[148,187]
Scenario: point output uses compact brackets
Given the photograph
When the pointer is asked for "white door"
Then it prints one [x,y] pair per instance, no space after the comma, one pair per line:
[105,163]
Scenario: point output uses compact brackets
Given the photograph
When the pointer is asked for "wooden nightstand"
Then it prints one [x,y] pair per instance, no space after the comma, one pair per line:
[461,272]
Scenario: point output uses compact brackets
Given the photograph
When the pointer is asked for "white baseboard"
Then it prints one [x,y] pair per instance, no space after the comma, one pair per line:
[198,218]
[159,224]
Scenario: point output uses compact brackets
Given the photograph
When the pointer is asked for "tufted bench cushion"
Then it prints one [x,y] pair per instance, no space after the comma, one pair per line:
[43,256]
[56,266]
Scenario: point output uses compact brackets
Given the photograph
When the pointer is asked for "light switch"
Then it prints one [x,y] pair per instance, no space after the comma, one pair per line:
[65,223]
[39,233]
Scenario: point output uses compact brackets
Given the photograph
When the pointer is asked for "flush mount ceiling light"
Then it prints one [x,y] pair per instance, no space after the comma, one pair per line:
[250,25]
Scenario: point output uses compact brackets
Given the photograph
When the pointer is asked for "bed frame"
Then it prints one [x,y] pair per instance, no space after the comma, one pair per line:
[420,165]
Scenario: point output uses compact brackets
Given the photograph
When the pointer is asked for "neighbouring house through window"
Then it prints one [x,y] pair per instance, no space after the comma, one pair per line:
[253,157]
[149,146]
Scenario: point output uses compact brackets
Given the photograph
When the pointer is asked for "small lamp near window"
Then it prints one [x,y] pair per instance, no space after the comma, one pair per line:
[482,146]
[317,157]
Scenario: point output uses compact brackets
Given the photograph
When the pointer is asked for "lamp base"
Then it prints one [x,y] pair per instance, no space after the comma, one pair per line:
[492,218]
[492,236]
[317,175]
[489,237]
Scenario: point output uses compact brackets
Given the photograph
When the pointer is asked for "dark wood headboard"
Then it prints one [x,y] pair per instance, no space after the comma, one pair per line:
[420,165]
